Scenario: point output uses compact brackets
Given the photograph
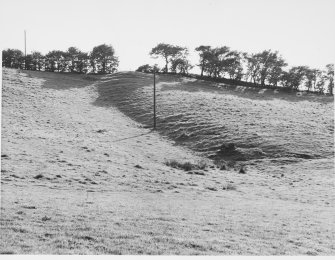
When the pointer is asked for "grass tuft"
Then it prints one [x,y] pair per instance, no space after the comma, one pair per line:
[221,164]
[187,166]
[243,170]
[229,186]
[88,77]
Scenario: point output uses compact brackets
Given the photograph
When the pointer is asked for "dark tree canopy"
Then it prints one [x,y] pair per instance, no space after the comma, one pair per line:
[265,66]
[180,65]
[12,58]
[103,59]
[204,53]
[38,60]
[55,61]
[330,78]
[294,77]
[219,61]
[73,55]
[168,52]
[234,66]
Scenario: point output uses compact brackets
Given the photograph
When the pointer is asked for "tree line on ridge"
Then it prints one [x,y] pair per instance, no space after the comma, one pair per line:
[266,68]
[101,60]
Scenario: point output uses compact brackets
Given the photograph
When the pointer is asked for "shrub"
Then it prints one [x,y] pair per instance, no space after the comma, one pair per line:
[221,164]
[145,68]
[39,176]
[202,165]
[243,170]
[229,186]
[187,166]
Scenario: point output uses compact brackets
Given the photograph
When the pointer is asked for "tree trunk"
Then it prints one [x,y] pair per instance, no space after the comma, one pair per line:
[166,64]
[331,84]
[104,66]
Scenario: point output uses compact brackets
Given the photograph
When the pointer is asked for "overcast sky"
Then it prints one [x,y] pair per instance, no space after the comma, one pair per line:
[301,30]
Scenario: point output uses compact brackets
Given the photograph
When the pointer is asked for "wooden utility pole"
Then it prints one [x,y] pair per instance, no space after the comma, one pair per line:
[154,100]
[25,44]
[25,50]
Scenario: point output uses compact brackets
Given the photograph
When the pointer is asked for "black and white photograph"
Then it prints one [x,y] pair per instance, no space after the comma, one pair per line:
[167,127]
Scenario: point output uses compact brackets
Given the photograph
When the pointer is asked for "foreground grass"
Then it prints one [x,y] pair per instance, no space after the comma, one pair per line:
[127,223]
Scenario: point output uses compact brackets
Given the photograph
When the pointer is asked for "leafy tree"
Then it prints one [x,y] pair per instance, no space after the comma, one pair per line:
[253,67]
[275,69]
[204,53]
[294,77]
[182,65]
[234,66]
[6,58]
[145,68]
[28,62]
[330,78]
[103,59]
[168,52]
[56,60]
[215,61]
[219,60]
[320,83]
[37,60]
[313,76]
[50,63]
[17,59]
[72,55]
[265,59]
[265,66]
[269,62]
[12,58]
[285,79]
[82,62]
[148,69]
[276,72]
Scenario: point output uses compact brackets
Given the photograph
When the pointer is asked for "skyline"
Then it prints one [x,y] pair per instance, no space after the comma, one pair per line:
[301,31]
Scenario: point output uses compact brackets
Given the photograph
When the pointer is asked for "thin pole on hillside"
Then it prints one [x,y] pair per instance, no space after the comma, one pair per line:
[154,100]
[25,49]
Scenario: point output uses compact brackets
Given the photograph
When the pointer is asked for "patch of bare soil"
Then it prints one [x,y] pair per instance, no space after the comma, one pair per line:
[78,176]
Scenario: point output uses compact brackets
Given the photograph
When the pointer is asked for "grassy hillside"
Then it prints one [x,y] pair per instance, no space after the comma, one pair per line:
[226,122]
[80,177]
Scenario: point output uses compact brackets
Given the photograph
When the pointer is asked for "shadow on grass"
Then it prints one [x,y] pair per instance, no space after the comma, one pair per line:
[131,81]
[253,93]
[131,137]
[62,80]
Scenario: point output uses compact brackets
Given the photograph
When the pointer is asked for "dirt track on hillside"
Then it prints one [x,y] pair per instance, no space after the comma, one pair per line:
[78,176]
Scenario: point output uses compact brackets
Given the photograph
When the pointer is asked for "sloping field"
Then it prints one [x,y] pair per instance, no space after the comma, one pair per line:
[80,177]
[251,124]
